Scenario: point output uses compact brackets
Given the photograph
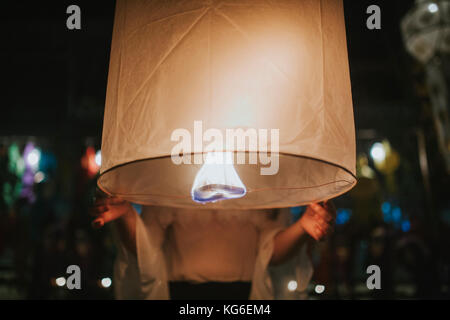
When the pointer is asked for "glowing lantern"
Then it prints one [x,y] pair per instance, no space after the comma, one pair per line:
[265,84]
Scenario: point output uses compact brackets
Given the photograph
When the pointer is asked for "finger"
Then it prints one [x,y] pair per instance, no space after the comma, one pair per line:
[319,219]
[98,223]
[104,218]
[111,215]
[318,234]
[323,227]
[326,228]
[317,208]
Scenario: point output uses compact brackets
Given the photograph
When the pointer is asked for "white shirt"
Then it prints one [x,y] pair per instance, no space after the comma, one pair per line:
[203,245]
[212,246]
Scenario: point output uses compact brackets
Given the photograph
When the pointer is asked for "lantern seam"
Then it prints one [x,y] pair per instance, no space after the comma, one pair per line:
[246,36]
[162,19]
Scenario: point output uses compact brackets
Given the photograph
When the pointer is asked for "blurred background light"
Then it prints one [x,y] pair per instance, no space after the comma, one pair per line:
[33,158]
[98,158]
[60,282]
[432,7]
[386,207]
[396,214]
[106,282]
[343,216]
[406,226]
[319,288]
[377,152]
[91,161]
[39,177]
[292,285]
[387,216]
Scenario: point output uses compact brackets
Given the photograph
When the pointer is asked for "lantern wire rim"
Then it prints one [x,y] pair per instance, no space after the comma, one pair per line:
[194,153]
[350,183]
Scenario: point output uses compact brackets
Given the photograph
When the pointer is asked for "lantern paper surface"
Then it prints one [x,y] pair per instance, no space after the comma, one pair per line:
[247,64]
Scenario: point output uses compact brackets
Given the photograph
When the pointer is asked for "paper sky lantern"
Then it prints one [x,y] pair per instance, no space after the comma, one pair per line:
[193,84]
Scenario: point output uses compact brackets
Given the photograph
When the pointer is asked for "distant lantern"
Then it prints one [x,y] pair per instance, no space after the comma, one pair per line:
[426,29]
[426,35]
[247,100]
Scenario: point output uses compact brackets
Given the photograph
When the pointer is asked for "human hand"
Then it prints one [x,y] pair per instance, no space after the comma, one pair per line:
[318,220]
[108,209]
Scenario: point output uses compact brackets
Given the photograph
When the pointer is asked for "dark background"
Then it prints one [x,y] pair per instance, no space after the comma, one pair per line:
[53,94]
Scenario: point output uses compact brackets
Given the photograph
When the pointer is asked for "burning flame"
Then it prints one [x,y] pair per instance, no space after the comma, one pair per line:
[217,179]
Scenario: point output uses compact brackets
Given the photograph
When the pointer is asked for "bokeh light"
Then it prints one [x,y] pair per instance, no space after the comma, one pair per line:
[432,7]
[33,158]
[319,289]
[292,285]
[377,152]
[39,177]
[106,282]
[98,158]
[60,282]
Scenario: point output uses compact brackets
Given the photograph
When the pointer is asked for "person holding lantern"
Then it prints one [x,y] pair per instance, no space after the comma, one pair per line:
[222,254]
[246,66]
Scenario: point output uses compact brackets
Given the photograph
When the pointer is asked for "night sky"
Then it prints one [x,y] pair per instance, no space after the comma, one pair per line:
[54,79]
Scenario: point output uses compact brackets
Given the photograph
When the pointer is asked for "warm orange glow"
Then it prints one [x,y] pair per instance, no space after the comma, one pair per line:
[88,162]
